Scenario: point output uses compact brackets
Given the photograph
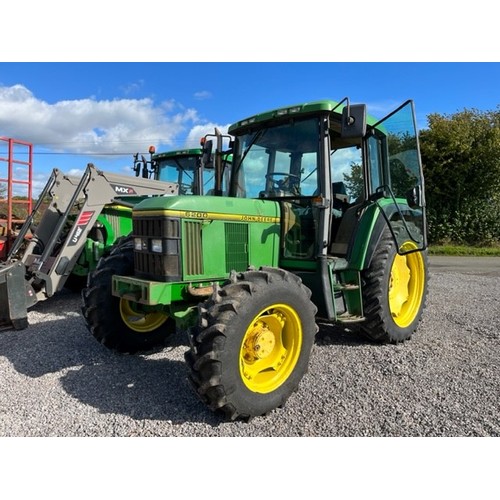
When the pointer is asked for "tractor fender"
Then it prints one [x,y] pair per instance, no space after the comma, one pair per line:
[379,224]
[376,234]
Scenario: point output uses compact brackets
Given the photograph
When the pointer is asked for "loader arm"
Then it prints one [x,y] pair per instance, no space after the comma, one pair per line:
[51,240]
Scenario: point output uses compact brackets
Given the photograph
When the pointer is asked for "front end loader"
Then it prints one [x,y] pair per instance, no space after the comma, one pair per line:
[77,220]
[56,233]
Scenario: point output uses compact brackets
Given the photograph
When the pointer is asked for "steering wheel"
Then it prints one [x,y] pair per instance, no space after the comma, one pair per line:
[281,184]
[185,188]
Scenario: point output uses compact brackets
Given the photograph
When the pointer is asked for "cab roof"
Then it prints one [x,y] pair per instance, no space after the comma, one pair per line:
[179,152]
[313,107]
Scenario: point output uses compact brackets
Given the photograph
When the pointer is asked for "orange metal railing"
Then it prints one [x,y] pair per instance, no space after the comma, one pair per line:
[16,184]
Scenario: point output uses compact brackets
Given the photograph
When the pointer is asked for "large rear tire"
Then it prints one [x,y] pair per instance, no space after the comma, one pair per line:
[117,323]
[394,291]
[253,342]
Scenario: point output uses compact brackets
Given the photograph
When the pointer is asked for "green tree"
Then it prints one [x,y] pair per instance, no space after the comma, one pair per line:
[354,181]
[461,161]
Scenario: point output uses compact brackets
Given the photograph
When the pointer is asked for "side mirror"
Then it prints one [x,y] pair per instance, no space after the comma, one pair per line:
[207,152]
[137,166]
[353,121]
[154,168]
[144,167]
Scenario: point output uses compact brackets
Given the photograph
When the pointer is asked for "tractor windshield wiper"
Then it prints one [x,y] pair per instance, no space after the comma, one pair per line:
[183,169]
[255,138]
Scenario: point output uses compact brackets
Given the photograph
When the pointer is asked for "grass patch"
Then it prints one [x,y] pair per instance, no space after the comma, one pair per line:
[464,250]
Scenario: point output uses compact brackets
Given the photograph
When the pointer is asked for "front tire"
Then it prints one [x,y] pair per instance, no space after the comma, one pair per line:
[253,342]
[394,291]
[119,324]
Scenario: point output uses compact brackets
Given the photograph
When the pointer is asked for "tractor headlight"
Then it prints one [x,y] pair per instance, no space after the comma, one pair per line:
[157,245]
[140,244]
[157,248]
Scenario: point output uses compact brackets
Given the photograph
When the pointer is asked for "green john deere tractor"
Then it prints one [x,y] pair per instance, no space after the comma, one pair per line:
[180,167]
[324,220]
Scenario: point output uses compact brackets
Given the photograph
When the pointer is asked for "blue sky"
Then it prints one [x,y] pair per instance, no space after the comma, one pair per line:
[81,109]
[76,113]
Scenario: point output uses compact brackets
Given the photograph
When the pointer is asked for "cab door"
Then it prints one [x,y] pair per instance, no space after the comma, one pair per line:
[395,175]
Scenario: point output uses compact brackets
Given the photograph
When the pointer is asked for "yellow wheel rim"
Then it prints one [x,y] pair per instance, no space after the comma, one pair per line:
[406,285]
[270,348]
[141,322]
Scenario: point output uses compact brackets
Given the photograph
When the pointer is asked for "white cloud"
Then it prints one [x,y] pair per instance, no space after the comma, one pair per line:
[202,95]
[91,126]
[39,182]
[76,172]
[133,87]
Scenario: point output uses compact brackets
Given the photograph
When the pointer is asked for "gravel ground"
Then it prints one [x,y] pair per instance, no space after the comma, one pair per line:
[58,381]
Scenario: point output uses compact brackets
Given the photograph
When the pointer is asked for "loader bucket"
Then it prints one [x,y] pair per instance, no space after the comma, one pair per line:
[13,297]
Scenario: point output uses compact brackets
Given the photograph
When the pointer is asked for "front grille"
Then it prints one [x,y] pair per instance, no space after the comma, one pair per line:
[194,260]
[155,266]
[236,246]
[114,221]
[158,227]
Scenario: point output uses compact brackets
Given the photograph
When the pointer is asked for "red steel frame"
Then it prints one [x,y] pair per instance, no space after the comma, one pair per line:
[14,146]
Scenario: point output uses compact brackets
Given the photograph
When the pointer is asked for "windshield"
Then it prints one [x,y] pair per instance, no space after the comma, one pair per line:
[280,161]
[180,170]
[183,171]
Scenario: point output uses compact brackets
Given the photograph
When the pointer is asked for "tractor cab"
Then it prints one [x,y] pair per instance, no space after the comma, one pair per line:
[344,182]
[326,163]
[197,171]
[182,167]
